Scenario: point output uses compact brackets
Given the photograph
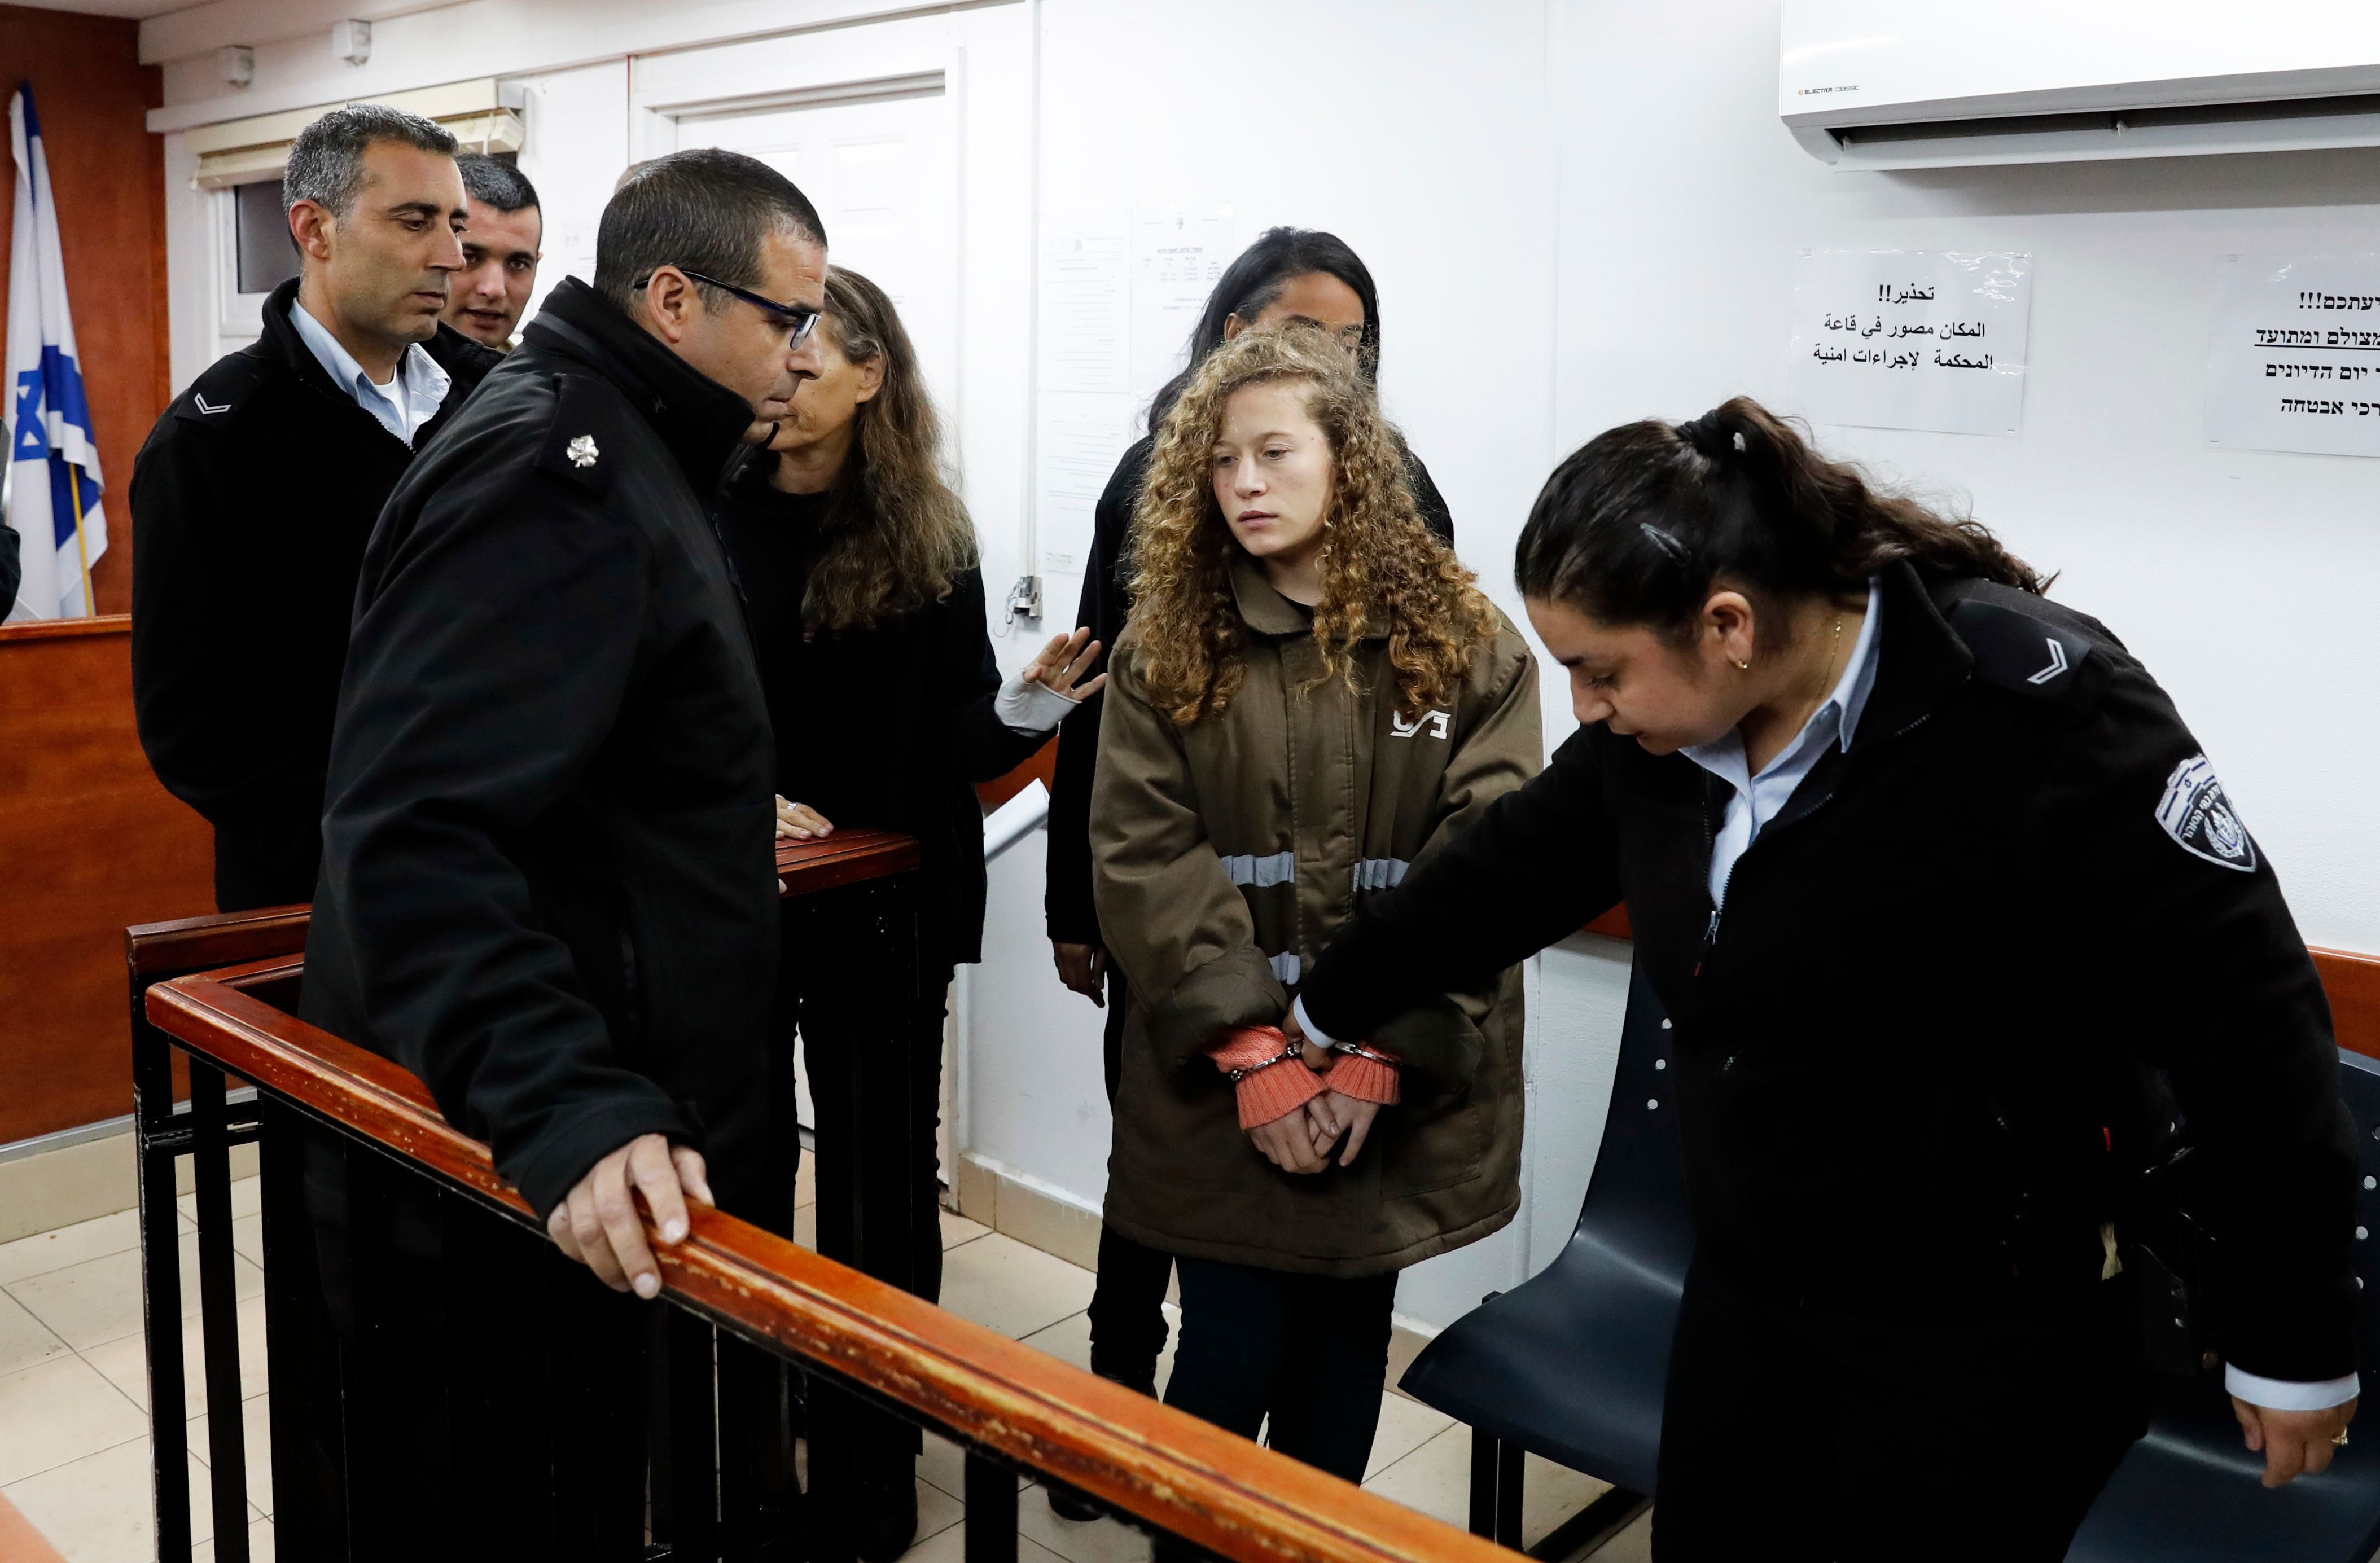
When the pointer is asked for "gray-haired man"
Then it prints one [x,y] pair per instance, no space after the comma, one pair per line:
[256,490]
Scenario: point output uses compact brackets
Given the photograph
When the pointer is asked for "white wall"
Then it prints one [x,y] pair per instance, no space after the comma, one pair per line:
[1684,202]
[1579,211]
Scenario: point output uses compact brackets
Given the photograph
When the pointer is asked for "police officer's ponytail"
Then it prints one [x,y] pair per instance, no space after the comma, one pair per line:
[1641,521]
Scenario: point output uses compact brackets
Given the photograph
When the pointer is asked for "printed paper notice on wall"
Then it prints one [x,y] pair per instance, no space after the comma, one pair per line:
[1086,300]
[1178,256]
[1911,339]
[2295,360]
[1083,422]
[1080,436]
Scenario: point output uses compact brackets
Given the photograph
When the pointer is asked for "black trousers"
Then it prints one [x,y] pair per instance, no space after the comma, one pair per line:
[1796,1433]
[1251,1353]
[1127,1312]
[838,1017]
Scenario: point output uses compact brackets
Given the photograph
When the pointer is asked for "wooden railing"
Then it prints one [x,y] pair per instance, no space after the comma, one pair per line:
[1012,1407]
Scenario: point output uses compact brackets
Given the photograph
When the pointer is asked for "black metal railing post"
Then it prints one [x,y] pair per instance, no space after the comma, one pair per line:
[689,1480]
[219,1312]
[153,1135]
[291,1337]
[990,1510]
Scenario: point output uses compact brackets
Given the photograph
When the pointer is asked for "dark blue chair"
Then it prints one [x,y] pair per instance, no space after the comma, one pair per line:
[1573,1364]
[2190,1492]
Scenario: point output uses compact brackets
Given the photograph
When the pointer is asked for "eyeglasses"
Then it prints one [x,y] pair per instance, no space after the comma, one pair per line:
[799,320]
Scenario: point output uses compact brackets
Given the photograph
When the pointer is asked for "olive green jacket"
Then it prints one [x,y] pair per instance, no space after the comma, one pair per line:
[1225,852]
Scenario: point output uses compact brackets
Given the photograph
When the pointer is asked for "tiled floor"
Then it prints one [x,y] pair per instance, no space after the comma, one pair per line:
[74,1445]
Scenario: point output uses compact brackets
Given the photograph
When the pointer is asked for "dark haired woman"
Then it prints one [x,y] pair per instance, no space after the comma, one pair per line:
[858,568]
[1288,274]
[1926,871]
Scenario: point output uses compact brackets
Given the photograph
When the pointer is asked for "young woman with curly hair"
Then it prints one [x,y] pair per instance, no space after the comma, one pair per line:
[1311,696]
[1287,275]
[858,565]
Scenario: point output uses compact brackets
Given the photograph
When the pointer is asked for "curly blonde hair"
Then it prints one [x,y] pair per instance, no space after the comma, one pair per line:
[1382,567]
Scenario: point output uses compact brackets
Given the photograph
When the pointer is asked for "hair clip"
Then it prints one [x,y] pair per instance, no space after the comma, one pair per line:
[1668,544]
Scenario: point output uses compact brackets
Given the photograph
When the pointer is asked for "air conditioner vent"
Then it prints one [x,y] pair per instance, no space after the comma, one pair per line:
[1881,84]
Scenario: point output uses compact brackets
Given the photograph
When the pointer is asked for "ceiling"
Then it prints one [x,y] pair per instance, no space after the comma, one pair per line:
[137,9]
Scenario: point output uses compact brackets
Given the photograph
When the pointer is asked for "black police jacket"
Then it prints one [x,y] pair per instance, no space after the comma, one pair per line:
[548,877]
[251,499]
[1106,604]
[1905,1055]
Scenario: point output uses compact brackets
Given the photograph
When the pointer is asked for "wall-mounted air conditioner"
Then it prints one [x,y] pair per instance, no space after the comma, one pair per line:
[1881,84]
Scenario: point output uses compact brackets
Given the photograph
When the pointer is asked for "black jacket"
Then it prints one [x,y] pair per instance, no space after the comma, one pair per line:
[889,726]
[12,568]
[549,878]
[251,499]
[1906,1055]
[1106,604]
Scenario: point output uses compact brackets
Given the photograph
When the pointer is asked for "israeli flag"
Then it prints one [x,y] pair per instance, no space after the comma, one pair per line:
[54,483]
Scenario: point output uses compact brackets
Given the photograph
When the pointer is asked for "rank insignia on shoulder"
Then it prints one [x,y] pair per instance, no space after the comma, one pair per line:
[581,451]
[217,395]
[2023,654]
[2202,821]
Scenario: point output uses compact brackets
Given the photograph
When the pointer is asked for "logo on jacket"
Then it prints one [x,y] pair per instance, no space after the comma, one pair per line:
[2200,819]
[582,451]
[1435,720]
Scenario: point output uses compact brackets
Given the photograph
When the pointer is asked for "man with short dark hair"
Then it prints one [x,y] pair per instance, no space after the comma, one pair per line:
[549,878]
[256,489]
[501,249]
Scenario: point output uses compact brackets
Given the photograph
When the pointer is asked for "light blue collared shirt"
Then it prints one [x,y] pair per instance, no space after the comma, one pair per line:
[1759,799]
[412,396]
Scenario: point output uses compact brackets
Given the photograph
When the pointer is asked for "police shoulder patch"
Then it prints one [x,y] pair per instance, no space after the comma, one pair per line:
[2200,819]
[2024,653]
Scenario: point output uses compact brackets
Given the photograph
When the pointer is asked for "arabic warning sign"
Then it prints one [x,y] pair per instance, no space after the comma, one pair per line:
[1911,339]
[2294,363]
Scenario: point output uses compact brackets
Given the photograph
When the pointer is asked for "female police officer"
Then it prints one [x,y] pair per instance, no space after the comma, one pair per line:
[1924,870]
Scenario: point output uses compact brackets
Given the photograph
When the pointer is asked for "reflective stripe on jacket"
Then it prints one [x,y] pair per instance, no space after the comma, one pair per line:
[1225,854]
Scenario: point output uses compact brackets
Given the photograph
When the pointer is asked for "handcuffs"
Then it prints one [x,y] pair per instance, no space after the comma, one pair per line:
[1296,1050]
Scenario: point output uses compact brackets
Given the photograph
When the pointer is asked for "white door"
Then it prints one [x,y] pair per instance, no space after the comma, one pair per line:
[882,173]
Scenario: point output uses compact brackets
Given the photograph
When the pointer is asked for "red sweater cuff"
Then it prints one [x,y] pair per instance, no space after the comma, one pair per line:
[1270,1091]
[1367,1080]
[1248,1046]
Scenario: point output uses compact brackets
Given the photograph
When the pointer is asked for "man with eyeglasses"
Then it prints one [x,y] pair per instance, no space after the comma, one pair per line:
[549,878]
